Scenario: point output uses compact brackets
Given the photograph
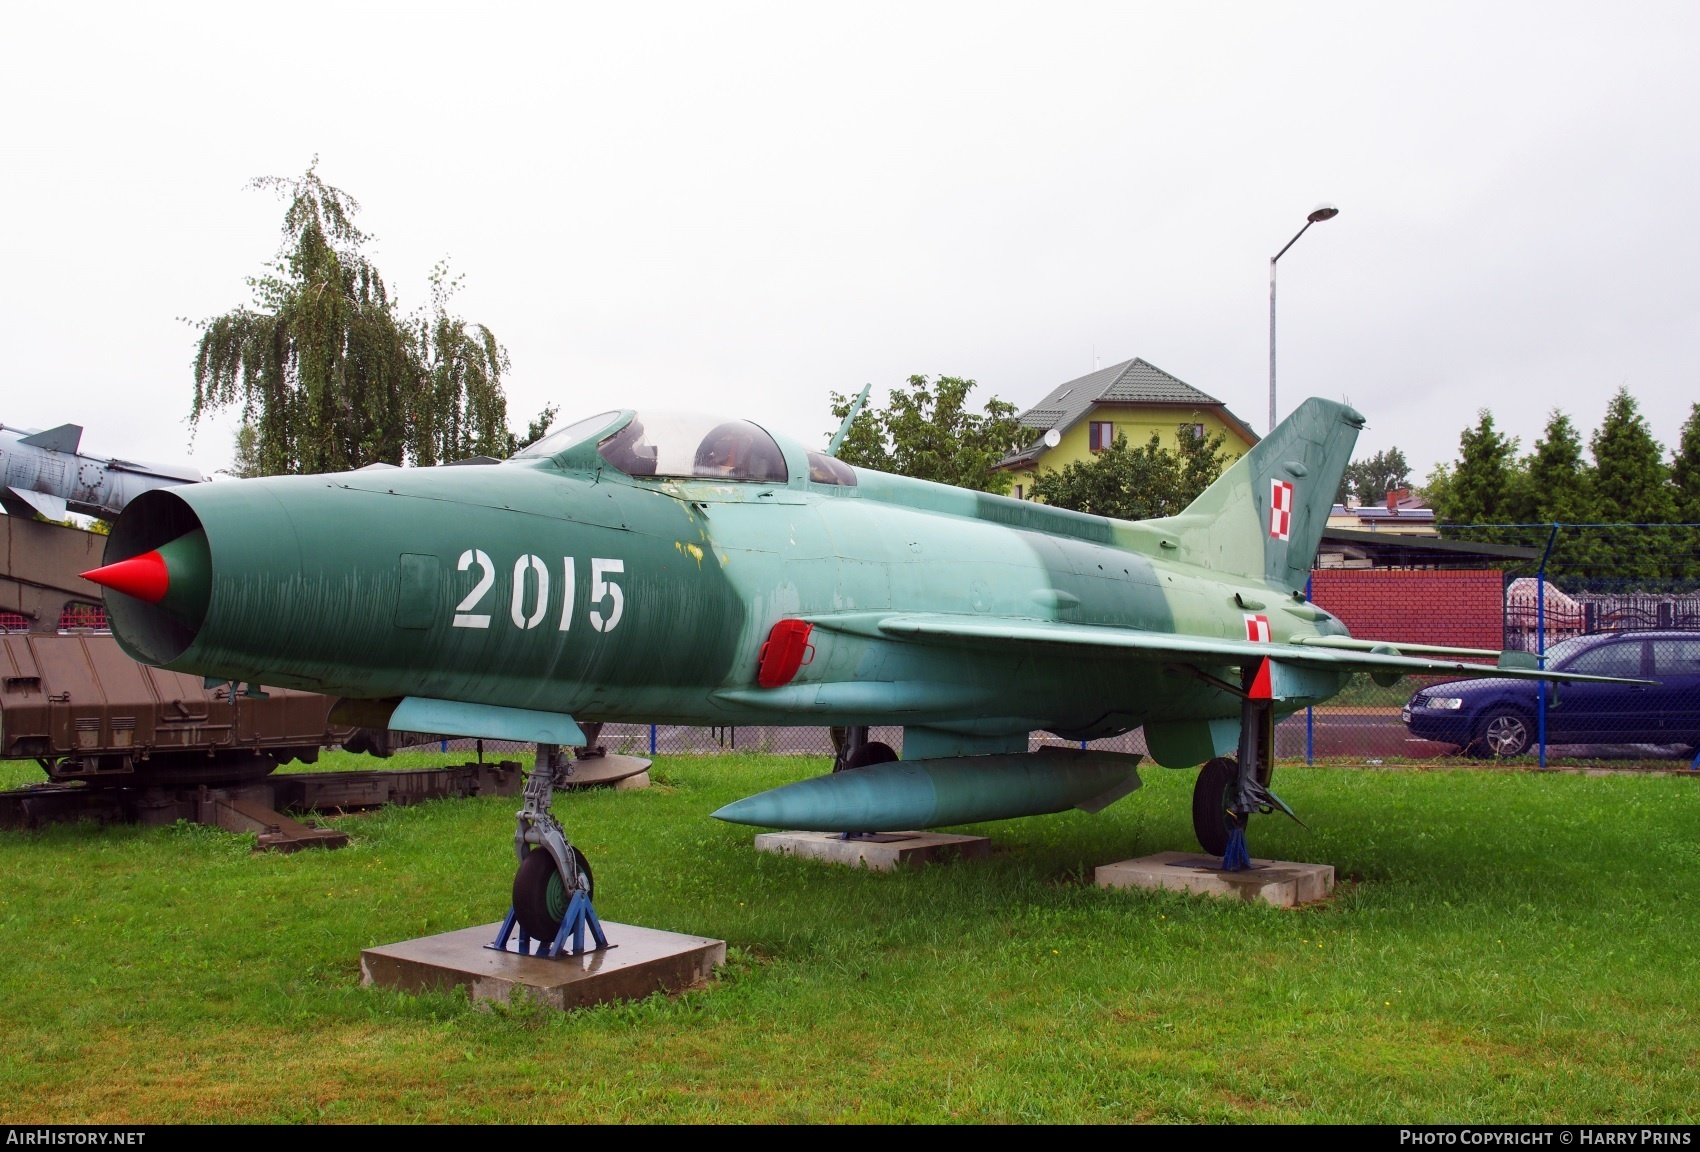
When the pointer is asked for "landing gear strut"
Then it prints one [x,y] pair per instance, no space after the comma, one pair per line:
[1228,791]
[553,886]
[852,749]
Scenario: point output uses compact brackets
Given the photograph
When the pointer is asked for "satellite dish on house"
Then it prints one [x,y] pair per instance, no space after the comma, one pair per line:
[1052,437]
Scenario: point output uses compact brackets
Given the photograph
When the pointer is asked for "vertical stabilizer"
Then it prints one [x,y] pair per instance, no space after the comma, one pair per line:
[1264,516]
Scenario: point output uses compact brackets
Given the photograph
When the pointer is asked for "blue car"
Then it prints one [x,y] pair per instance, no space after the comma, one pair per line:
[1498,717]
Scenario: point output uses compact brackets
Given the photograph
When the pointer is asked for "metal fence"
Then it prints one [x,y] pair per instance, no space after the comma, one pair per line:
[1613,599]
[1630,591]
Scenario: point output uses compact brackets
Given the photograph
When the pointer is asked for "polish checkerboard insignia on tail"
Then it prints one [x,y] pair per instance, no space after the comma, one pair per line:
[1264,516]
[1280,510]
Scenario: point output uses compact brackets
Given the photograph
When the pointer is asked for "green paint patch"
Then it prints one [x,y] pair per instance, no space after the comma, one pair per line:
[1504,946]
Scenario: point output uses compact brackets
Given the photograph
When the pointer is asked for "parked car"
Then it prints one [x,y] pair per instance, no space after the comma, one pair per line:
[1499,717]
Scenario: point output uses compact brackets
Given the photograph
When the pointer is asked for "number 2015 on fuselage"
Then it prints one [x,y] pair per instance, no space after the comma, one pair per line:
[602,588]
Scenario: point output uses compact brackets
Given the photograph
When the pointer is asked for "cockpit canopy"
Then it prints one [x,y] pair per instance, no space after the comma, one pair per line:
[693,446]
[685,445]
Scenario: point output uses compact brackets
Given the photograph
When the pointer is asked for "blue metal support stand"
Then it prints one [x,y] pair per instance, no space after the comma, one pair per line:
[1237,857]
[1541,643]
[580,916]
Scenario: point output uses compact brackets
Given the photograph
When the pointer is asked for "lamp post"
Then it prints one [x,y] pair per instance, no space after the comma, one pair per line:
[1319,213]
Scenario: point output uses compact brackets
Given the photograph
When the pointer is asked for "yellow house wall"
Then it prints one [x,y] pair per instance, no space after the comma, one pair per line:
[1137,424]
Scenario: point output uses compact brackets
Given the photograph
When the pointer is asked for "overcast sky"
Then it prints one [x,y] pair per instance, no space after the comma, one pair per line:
[741,208]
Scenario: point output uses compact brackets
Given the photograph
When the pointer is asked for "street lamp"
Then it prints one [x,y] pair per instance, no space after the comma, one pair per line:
[1319,213]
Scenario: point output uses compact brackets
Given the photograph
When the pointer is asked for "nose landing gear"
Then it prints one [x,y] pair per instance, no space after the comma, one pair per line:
[553,886]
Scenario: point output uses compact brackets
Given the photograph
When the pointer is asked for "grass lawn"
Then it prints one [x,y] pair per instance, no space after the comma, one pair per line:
[1508,946]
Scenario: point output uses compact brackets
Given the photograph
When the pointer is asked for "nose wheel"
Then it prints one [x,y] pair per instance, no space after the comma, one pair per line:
[553,885]
[541,897]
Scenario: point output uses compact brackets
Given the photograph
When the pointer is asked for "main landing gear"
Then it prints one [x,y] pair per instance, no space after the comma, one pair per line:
[1229,790]
[852,749]
[553,886]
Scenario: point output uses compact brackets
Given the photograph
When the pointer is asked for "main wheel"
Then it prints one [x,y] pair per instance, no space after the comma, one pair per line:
[540,899]
[1210,797]
[873,752]
[1504,732]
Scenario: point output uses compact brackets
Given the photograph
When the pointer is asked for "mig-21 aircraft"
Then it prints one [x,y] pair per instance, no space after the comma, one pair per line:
[680,569]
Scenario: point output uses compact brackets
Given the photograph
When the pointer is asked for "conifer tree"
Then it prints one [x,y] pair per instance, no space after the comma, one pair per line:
[1558,489]
[1482,487]
[1560,480]
[1685,470]
[1632,486]
[1631,481]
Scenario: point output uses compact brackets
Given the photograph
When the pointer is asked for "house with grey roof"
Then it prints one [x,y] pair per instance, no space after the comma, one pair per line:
[1134,399]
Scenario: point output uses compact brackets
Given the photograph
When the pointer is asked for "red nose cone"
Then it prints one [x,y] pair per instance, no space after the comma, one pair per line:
[145,577]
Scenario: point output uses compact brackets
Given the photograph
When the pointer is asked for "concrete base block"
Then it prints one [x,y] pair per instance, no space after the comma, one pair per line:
[609,770]
[1278,882]
[881,852]
[644,961]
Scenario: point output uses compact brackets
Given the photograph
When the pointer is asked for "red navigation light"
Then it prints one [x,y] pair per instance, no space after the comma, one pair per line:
[787,649]
[145,577]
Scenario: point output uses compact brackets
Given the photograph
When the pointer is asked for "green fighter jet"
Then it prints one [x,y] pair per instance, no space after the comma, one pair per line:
[681,569]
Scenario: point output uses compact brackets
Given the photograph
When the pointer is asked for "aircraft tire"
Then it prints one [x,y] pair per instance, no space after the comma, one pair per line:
[540,899]
[873,752]
[1210,803]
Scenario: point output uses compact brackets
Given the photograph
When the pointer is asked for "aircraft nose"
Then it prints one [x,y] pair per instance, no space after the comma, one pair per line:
[176,576]
[145,577]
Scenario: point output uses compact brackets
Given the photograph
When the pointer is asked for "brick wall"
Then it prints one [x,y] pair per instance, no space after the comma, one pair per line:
[1462,608]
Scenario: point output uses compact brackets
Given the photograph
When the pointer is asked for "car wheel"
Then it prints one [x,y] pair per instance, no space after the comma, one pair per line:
[1504,732]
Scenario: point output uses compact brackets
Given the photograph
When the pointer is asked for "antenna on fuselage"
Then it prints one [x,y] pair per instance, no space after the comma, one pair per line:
[844,428]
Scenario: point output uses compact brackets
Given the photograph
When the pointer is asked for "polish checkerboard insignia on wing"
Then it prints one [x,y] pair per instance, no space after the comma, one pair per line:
[1280,509]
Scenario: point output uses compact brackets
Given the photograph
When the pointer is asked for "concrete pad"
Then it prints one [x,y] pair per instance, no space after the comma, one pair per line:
[1282,883]
[643,961]
[882,852]
[610,769]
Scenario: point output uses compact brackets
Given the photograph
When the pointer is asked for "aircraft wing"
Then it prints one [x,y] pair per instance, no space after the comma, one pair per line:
[1157,647]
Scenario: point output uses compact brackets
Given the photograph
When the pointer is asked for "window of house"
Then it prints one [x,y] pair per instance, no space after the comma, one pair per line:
[1103,434]
[1018,494]
[1198,431]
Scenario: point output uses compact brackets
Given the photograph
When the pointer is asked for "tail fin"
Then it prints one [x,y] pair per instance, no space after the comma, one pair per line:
[1264,516]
